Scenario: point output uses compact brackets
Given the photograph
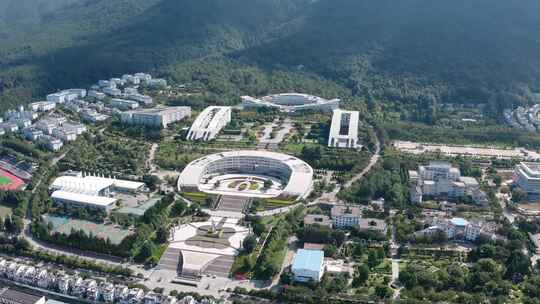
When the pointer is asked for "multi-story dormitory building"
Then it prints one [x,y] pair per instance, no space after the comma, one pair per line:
[74,285]
[440,179]
[458,228]
[54,131]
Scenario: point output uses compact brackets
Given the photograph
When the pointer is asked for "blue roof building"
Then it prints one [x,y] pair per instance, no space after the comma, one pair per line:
[308,265]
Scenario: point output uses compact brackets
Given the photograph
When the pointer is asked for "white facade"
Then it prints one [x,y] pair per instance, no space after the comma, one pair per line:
[439,178]
[291,102]
[145,99]
[158,117]
[96,95]
[124,104]
[112,91]
[91,192]
[209,123]
[344,129]
[527,177]
[32,134]
[9,127]
[93,116]
[51,143]
[308,265]
[157,82]
[299,174]
[345,216]
[66,95]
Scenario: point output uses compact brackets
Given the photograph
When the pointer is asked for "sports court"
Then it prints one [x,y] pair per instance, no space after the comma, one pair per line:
[102,231]
[9,182]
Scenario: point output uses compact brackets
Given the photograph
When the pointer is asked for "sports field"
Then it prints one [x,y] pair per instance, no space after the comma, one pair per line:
[66,225]
[9,181]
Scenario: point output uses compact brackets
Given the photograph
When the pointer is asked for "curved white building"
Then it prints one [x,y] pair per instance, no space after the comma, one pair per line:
[209,123]
[293,175]
[291,102]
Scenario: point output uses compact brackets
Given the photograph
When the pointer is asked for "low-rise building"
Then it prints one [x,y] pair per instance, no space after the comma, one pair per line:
[51,143]
[440,179]
[124,104]
[112,91]
[106,292]
[345,216]
[42,106]
[12,296]
[157,117]
[93,116]
[144,99]
[457,228]
[157,82]
[371,224]
[96,94]
[65,135]
[64,283]
[317,219]
[9,127]
[308,265]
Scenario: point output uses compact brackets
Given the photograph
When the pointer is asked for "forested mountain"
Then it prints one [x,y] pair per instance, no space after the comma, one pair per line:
[413,52]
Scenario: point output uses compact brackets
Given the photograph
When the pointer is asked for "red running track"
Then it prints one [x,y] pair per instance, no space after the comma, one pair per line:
[16,183]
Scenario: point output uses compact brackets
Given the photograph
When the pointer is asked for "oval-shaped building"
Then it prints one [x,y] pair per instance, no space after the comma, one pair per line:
[248,173]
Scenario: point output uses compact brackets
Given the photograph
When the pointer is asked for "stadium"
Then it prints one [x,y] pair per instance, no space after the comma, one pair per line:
[291,102]
[248,173]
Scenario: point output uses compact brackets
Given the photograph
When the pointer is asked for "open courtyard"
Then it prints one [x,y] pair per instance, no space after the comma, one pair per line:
[242,185]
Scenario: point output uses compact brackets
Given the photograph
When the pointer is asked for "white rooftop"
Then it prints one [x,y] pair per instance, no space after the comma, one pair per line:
[98,201]
[300,180]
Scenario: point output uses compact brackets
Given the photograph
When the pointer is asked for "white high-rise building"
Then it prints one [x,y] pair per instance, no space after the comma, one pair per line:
[209,123]
[344,129]
[528,178]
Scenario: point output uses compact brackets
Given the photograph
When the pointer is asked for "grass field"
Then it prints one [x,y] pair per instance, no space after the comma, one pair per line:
[4,180]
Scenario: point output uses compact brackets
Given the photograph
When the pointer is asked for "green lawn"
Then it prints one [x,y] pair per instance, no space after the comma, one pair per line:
[4,181]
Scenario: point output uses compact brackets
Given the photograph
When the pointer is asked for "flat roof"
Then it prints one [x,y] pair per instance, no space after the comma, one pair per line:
[300,180]
[352,124]
[308,259]
[92,184]
[99,201]
[340,210]
[159,110]
[8,295]
[458,221]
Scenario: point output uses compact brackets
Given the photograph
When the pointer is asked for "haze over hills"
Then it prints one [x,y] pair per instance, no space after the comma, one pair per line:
[412,51]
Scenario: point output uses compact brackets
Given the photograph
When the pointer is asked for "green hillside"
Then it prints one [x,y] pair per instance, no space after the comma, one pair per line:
[411,54]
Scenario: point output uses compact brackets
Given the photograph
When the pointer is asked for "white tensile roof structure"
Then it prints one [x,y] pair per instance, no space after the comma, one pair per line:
[91,200]
[92,185]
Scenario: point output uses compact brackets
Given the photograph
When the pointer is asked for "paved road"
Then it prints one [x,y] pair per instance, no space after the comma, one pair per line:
[372,162]
[150,164]
[53,162]
[331,197]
